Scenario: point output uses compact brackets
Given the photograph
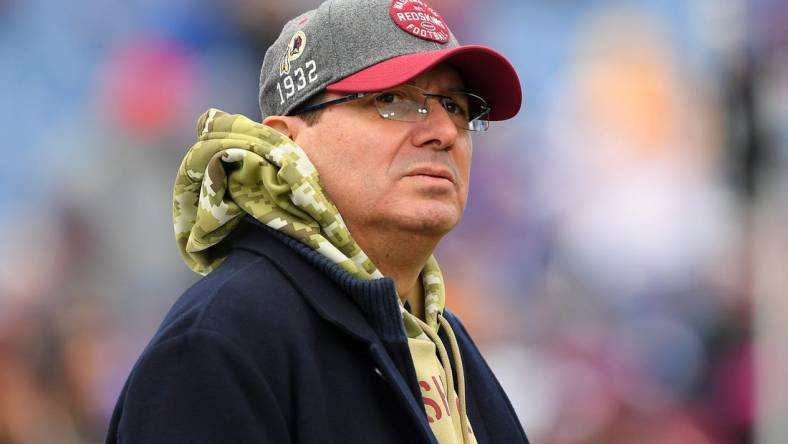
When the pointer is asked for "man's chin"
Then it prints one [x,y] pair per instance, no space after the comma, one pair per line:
[435,220]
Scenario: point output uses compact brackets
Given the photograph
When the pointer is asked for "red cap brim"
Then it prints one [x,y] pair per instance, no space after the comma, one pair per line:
[485,71]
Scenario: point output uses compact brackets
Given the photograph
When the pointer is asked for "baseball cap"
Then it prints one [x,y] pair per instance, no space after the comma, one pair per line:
[373,45]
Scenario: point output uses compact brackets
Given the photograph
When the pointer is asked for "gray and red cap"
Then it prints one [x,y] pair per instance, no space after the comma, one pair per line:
[373,45]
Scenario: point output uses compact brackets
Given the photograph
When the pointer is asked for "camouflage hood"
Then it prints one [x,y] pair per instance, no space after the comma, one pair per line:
[240,167]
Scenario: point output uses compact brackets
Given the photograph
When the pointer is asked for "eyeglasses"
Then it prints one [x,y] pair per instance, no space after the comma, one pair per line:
[408,103]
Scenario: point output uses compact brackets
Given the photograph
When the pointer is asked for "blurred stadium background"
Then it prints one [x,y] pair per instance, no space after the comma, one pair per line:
[622,262]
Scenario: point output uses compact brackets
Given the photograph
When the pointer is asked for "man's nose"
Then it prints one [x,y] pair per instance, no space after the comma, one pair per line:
[437,130]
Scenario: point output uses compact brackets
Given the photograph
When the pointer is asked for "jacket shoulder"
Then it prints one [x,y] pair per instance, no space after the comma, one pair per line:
[245,299]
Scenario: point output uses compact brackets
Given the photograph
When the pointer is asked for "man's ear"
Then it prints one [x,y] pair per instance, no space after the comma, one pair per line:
[287,125]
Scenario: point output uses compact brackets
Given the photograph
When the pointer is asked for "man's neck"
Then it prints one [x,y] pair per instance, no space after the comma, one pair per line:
[401,257]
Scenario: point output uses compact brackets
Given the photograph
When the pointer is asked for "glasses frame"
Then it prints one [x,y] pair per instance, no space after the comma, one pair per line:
[423,111]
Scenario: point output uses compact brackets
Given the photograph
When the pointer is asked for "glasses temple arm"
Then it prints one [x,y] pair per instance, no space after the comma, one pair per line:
[318,106]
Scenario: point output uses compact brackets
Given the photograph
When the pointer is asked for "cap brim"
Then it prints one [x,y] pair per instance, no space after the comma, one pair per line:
[485,72]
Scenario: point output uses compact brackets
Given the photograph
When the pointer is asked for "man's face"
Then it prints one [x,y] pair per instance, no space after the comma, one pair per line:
[384,174]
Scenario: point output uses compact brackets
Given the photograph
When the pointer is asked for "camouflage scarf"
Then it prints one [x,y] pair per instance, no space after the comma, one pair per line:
[240,167]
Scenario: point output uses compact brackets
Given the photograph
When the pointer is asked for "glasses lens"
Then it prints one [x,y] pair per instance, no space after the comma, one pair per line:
[407,103]
[468,111]
[403,104]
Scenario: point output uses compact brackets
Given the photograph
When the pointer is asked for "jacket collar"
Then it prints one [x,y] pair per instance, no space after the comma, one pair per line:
[372,308]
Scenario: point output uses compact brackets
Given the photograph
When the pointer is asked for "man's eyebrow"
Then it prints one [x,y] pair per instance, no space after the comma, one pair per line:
[451,87]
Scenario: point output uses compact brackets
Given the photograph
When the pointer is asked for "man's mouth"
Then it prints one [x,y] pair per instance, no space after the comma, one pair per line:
[432,171]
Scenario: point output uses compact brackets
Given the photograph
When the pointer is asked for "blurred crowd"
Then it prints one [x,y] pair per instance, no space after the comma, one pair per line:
[621,261]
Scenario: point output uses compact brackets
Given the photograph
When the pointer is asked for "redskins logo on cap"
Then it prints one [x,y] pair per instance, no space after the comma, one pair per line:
[418,18]
[295,48]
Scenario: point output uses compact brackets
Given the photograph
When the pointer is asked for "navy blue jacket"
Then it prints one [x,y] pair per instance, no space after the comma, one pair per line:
[278,345]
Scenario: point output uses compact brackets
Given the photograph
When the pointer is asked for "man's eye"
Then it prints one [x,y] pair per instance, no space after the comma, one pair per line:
[453,107]
[390,97]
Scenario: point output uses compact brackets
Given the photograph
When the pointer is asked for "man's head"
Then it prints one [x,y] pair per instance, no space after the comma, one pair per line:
[386,167]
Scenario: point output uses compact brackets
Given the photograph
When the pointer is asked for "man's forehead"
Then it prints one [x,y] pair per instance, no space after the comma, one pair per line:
[443,77]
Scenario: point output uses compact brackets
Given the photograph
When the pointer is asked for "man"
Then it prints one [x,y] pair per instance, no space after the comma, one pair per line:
[321,318]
